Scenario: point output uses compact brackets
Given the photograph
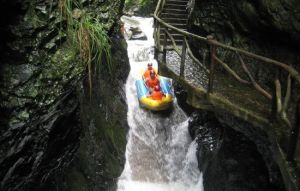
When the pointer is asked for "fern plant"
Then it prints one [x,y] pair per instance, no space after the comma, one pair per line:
[88,35]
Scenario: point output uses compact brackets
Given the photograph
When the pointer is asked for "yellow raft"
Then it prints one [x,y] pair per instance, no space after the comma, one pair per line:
[156,105]
[148,102]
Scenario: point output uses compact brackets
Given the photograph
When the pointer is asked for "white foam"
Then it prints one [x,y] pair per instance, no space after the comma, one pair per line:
[160,155]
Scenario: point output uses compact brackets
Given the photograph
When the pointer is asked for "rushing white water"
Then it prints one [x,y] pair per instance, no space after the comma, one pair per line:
[160,155]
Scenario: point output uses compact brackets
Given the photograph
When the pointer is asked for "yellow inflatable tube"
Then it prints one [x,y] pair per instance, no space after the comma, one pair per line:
[156,105]
[146,100]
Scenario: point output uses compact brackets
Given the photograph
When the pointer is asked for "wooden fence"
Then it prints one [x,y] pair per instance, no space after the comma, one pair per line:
[279,105]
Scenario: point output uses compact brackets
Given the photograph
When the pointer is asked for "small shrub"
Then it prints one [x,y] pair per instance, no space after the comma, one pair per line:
[87,35]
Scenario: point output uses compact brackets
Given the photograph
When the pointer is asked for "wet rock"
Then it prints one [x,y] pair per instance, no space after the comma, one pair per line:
[140,9]
[135,30]
[26,147]
[266,28]
[206,130]
[227,158]
[182,96]
[137,34]
[100,158]
[40,81]
[269,28]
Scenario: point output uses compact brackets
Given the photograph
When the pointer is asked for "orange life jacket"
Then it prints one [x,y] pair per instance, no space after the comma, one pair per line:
[147,73]
[157,95]
[152,82]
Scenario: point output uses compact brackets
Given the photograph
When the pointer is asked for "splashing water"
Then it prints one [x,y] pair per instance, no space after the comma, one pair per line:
[160,155]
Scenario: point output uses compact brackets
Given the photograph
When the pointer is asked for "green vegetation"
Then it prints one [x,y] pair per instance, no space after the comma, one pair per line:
[140,3]
[87,35]
[36,20]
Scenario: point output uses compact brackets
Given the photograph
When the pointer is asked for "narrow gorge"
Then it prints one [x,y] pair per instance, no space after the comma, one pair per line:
[71,120]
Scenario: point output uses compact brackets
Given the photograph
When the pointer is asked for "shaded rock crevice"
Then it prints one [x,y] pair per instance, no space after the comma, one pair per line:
[45,112]
[230,160]
[101,156]
[231,153]
[267,28]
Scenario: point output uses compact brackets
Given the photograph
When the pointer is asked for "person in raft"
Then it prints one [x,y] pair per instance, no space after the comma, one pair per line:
[156,93]
[122,29]
[152,81]
[147,72]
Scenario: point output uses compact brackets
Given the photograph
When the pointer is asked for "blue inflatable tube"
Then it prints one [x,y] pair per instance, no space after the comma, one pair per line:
[148,102]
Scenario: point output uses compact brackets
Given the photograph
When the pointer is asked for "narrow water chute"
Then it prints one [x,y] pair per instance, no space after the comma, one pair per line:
[160,155]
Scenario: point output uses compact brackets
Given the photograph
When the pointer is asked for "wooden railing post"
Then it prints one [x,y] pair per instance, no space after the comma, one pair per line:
[156,51]
[274,108]
[294,134]
[212,52]
[164,59]
[273,115]
[183,53]
[156,47]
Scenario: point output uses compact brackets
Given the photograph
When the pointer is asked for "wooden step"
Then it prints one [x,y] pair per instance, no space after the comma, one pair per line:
[175,6]
[178,25]
[177,2]
[176,36]
[162,28]
[172,32]
[173,15]
[174,20]
[169,42]
[184,28]
[174,11]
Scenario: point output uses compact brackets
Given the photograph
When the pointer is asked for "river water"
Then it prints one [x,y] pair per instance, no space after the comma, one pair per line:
[160,155]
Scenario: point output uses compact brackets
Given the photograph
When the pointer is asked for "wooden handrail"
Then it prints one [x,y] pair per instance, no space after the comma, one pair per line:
[294,134]
[294,73]
[256,86]
[173,43]
[275,97]
[232,72]
[193,57]
[185,33]
[277,105]
[213,50]
[159,3]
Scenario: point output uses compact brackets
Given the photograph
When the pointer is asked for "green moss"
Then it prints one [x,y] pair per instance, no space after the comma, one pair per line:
[76,180]
[113,138]
[33,17]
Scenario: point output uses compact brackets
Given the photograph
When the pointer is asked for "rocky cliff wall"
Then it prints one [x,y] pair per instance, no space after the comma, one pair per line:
[101,155]
[42,117]
[230,160]
[232,154]
[269,28]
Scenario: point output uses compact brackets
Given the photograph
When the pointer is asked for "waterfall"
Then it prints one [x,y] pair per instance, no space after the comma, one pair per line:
[160,155]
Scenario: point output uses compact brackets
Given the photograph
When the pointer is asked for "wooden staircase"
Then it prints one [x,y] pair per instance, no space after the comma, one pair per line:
[174,13]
